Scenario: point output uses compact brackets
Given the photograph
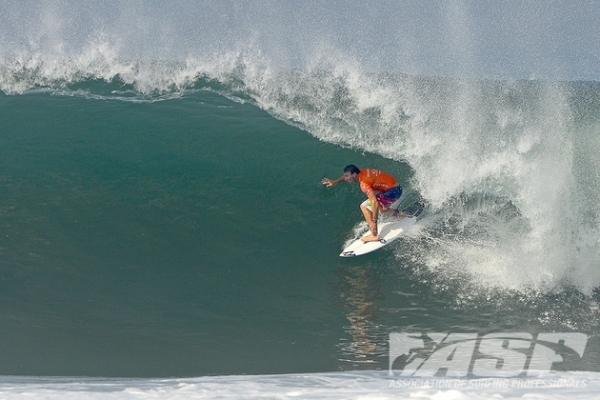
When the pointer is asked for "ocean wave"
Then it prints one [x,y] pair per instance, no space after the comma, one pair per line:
[506,166]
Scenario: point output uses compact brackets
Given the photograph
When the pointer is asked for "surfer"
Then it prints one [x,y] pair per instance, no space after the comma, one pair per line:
[381,188]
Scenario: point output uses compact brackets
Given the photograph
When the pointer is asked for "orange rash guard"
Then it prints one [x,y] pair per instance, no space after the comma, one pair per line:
[375,180]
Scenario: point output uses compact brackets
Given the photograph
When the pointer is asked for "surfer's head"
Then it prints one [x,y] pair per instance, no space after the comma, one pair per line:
[351,173]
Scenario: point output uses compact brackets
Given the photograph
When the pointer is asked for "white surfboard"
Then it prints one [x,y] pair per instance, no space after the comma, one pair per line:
[388,232]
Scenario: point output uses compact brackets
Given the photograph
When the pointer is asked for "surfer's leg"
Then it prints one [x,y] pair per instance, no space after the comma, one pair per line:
[389,198]
[365,207]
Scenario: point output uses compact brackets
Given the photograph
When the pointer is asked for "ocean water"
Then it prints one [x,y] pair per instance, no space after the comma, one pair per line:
[164,232]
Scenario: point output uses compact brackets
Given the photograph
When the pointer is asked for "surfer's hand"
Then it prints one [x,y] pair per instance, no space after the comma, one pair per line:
[328,182]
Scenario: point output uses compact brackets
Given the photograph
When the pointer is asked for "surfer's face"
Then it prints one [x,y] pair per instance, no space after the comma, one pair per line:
[350,178]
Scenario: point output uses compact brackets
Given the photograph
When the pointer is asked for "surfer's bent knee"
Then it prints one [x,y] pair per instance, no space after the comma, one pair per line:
[366,205]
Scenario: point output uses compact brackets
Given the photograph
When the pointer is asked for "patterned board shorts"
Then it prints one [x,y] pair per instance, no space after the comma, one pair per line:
[386,198]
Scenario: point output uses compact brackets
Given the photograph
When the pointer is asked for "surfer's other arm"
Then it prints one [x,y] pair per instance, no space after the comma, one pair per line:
[350,175]
[332,182]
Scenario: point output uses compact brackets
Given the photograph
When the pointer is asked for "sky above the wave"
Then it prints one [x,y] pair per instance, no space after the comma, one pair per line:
[547,39]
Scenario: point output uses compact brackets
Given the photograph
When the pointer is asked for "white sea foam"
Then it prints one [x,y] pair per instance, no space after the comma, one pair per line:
[356,385]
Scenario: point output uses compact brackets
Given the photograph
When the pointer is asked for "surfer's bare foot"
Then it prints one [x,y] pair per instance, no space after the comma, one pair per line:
[370,238]
[401,214]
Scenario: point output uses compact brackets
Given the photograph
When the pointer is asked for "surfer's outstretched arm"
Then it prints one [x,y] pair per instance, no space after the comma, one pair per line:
[332,182]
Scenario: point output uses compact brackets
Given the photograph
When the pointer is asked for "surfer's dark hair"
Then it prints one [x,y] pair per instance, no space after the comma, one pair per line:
[353,169]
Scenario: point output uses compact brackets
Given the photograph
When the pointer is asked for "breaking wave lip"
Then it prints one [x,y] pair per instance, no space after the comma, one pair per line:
[133,78]
[484,153]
